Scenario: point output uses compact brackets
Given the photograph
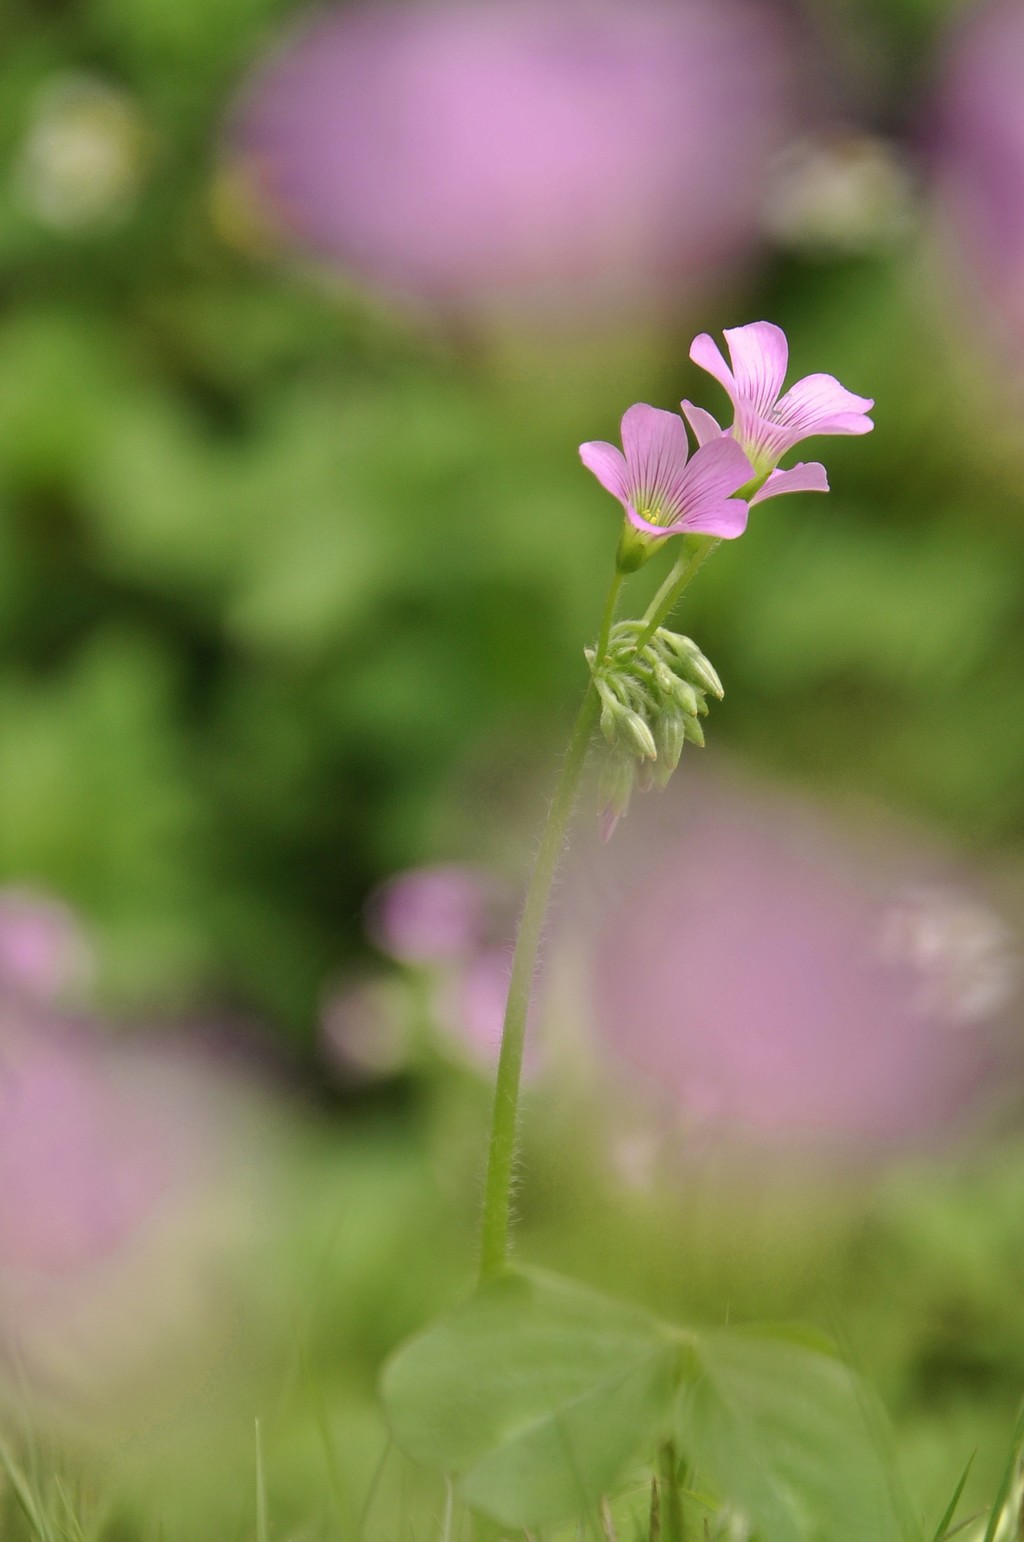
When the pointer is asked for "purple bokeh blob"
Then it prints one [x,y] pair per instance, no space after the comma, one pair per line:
[795,987]
[977,151]
[565,154]
[430,915]
[43,951]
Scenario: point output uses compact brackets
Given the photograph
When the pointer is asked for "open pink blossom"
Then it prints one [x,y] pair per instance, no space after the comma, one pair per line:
[663,490]
[767,424]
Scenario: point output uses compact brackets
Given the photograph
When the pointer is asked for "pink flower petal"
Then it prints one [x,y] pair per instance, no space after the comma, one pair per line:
[707,355]
[608,465]
[807,477]
[656,451]
[705,427]
[727,519]
[818,404]
[760,355]
[764,440]
[716,471]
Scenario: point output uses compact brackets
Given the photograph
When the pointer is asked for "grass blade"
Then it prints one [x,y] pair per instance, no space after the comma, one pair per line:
[1007,1479]
[262,1526]
[23,1493]
[950,1510]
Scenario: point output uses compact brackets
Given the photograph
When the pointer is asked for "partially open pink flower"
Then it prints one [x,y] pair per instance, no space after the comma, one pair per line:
[766,423]
[662,490]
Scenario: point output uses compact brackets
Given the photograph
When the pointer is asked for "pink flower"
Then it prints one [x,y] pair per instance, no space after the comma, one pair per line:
[662,491]
[766,423]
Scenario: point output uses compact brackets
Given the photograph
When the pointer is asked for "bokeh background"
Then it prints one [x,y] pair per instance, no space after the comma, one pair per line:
[304,314]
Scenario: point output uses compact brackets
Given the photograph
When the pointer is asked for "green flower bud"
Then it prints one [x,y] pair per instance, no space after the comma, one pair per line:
[652,692]
[611,709]
[663,675]
[670,736]
[686,696]
[637,730]
[694,732]
[702,670]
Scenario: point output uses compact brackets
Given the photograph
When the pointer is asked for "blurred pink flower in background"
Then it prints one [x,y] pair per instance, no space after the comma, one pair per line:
[431,915]
[567,157]
[452,928]
[82,1159]
[978,150]
[471,1010]
[43,951]
[794,988]
[128,1183]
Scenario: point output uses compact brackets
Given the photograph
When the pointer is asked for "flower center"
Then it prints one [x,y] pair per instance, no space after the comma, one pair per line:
[654,513]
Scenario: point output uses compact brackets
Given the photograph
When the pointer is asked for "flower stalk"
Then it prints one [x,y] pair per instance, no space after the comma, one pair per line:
[678,581]
[609,616]
[648,685]
[505,1117]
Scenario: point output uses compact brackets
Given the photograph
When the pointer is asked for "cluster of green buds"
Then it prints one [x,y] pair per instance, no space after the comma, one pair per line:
[653,689]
